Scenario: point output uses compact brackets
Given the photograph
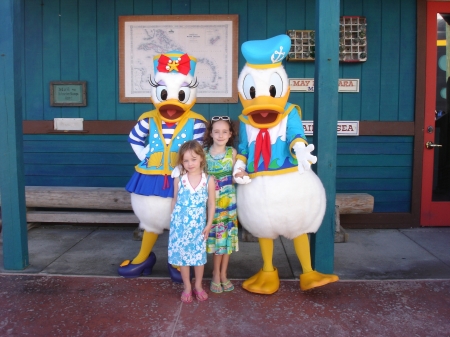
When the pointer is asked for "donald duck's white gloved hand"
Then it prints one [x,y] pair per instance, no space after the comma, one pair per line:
[239,166]
[140,150]
[304,156]
[176,172]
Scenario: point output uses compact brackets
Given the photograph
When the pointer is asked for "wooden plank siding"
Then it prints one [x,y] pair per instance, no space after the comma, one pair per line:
[66,41]
[79,41]
[380,166]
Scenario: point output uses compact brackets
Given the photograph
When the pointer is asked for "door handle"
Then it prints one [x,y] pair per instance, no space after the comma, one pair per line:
[430,145]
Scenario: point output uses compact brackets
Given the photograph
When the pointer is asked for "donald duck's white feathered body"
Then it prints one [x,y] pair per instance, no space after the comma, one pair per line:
[282,195]
[288,205]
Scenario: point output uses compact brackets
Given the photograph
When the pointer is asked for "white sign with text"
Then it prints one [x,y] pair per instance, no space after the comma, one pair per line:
[307,85]
[344,128]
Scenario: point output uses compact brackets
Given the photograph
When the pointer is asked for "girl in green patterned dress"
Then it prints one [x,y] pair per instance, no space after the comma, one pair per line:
[223,237]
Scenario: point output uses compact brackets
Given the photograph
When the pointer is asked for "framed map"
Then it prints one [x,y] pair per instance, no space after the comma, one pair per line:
[211,39]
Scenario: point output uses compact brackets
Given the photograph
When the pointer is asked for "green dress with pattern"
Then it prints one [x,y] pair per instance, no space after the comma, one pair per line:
[223,237]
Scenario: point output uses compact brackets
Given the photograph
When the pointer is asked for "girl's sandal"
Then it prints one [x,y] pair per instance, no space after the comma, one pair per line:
[200,295]
[216,287]
[186,297]
[227,286]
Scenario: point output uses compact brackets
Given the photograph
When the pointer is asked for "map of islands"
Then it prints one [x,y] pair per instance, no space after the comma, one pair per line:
[209,43]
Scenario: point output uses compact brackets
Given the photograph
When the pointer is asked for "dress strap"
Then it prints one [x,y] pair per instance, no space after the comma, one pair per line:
[180,181]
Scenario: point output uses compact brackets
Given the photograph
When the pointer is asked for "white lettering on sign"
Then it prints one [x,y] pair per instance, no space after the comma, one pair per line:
[344,128]
[307,85]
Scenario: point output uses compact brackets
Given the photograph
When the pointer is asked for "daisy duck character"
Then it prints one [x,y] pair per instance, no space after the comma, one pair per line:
[156,139]
[282,195]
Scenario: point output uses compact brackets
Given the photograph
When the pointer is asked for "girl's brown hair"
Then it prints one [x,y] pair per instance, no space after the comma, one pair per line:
[209,141]
[195,147]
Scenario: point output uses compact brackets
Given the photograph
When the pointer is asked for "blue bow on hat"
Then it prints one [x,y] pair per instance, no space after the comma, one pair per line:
[266,53]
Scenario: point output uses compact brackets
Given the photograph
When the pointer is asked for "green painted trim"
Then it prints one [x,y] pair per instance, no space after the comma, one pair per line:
[12,187]
[325,117]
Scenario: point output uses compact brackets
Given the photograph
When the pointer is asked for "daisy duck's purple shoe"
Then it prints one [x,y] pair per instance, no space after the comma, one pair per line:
[129,270]
[175,274]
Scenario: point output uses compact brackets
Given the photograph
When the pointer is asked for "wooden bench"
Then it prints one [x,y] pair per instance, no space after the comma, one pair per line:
[113,205]
[79,205]
[350,203]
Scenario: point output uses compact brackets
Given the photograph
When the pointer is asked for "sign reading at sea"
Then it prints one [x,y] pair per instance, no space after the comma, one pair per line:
[67,93]
[344,128]
[307,85]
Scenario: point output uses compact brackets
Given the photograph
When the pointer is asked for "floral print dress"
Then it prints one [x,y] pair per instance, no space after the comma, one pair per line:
[223,237]
[188,220]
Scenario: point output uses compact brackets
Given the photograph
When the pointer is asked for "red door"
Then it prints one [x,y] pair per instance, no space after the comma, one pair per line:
[435,210]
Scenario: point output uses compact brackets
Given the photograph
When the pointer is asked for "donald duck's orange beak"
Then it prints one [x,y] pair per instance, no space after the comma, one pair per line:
[264,112]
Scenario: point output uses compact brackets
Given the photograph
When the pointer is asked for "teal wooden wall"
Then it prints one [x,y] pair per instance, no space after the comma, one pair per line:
[78,40]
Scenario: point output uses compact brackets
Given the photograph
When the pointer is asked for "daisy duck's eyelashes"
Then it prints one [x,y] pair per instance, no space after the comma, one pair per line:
[152,82]
[162,92]
[193,85]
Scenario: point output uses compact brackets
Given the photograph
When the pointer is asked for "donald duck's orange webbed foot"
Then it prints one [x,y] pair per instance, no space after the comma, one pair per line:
[315,279]
[263,282]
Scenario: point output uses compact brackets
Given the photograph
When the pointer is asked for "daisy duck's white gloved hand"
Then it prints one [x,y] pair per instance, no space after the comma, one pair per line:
[304,156]
[176,172]
[140,150]
[239,167]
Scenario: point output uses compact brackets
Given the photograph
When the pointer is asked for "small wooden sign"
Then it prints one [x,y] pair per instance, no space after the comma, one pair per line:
[71,93]
[307,85]
[344,128]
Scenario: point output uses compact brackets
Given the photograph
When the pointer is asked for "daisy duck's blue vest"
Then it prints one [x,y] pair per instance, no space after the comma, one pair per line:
[161,158]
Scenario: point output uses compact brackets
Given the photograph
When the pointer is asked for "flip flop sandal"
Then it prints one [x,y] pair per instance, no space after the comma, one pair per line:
[186,297]
[200,295]
[227,286]
[216,288]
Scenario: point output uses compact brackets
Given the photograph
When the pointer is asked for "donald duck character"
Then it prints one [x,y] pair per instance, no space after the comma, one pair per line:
[164,129]
[282,195]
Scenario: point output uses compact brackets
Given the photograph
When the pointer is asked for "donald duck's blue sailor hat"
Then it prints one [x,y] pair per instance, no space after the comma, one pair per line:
[175,61]
[266,53]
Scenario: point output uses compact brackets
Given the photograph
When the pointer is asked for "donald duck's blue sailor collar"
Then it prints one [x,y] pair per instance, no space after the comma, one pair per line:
[266,53]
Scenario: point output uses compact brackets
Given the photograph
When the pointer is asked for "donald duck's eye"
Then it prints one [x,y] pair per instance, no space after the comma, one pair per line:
[272,90]
[183,94]
[161,92]
[276,85]
[249,87]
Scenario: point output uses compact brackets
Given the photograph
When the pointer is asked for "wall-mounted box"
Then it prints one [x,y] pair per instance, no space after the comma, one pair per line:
[352,41]
[303,45]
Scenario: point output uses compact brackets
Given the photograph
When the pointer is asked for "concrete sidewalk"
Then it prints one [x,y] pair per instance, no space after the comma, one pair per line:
[419,253]
[393,283]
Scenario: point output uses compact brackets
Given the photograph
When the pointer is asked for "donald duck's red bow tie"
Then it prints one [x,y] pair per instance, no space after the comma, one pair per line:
[182,65]
[263,147]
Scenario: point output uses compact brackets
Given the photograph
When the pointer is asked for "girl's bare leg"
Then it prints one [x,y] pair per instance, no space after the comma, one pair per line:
[185,273]
[217,271]
[199,277]
[224,267]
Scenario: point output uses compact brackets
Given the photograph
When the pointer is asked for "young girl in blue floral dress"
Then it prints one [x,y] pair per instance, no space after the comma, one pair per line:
[223,237]
[193,207]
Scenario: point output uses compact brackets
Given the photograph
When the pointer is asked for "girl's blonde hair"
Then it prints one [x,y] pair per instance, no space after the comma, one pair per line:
[195,147]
